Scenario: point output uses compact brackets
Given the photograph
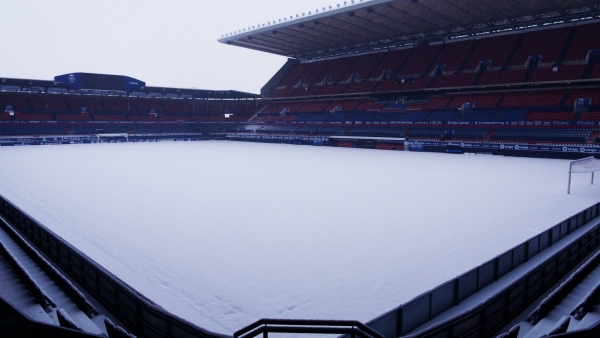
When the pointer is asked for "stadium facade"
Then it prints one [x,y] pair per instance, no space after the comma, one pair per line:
[504,77]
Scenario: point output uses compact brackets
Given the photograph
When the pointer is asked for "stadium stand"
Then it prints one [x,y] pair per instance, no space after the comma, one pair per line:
[503,74]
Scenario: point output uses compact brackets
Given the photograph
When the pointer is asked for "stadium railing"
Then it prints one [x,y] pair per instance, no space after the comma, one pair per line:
[489,316]
[16,324]
[340,327]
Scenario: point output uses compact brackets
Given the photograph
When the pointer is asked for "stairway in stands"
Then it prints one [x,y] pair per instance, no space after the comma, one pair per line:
[593,136]
[572,306]
[33,288]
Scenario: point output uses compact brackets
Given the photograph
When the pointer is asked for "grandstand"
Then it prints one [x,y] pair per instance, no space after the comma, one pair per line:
[503,77]
[524,80]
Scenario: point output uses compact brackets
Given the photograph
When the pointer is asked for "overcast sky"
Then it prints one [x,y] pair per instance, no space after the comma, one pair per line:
[164,43]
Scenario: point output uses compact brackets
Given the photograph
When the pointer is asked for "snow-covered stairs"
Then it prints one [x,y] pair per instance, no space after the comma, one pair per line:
[567,314]
[15,292]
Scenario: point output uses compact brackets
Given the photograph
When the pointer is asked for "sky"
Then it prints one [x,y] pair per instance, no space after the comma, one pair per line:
[164,43]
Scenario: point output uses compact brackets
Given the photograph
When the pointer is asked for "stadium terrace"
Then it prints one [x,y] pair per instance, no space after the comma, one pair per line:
[505,77]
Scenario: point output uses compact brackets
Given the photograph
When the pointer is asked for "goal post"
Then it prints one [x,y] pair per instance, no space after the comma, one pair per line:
[584,165]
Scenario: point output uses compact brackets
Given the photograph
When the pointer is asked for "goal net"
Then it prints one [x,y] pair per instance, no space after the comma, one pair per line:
[584,165]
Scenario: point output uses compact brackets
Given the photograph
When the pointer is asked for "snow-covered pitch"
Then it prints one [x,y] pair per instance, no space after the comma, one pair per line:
[225,233]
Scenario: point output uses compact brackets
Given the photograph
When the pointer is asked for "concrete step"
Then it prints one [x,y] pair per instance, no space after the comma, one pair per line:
[588,320]
[50,288]
[14,292]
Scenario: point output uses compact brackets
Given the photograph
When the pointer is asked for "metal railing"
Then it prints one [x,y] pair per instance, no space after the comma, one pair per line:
[486,318]
[307,326]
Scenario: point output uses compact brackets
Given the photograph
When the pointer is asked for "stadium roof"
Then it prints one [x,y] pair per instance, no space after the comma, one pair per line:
[367,25]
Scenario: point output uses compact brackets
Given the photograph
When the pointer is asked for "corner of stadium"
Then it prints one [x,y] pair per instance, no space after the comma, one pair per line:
[503,78]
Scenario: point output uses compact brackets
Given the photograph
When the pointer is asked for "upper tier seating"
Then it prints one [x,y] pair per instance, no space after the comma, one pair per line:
[593,94]
[37,102]
[585,39]
[361,87]
[502,77]
[292,77]
[454,54]
[411,64]
[56,103]
[315,71]
[364,66]
[419,61]
[17,101]
[91,103]
[564,73]
[179,106]
[391,62]
[437,102]
[549,43]
[339,70]
[318,106]
[149,105]
[496,49]
[114,104]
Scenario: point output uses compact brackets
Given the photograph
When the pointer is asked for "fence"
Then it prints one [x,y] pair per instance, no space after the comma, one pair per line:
[488,317]
[142,317]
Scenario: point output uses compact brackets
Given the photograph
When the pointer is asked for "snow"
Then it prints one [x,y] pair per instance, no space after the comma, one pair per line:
[225,233]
